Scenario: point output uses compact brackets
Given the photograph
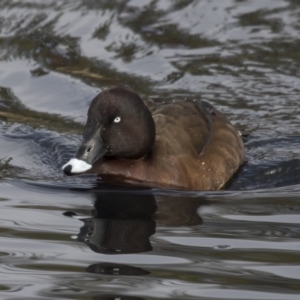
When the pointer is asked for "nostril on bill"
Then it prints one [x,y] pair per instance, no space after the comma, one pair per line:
[68,170]
[89,149]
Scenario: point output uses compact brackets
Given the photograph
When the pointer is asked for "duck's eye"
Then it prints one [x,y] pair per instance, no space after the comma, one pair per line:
[117,120]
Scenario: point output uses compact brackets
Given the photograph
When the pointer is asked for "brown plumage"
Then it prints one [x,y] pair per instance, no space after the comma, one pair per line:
[183,145]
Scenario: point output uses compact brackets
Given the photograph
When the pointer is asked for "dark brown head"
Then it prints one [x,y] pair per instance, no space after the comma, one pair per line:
[119,125]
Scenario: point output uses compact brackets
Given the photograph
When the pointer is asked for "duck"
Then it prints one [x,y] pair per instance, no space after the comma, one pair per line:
[184,144]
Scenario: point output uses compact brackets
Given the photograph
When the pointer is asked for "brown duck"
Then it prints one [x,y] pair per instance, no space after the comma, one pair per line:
[182,145]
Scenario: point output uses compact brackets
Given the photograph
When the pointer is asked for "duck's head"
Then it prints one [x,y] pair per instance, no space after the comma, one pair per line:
[119,125]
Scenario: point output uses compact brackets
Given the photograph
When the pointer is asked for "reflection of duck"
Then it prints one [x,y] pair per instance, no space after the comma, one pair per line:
[186,145]
[117,236]
[178,211]
[121,224]
[123,220]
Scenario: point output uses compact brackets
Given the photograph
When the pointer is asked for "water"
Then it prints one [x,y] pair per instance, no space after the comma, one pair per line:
[78,238]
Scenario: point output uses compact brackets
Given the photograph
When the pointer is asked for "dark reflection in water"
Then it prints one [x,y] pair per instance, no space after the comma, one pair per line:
[117,235]
[124,220]
[121,223]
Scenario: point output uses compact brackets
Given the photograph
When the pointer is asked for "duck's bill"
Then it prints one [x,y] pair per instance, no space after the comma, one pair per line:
[87,154]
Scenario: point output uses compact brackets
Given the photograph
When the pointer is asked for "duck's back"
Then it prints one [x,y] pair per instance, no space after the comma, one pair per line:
[181,128]
[196,146]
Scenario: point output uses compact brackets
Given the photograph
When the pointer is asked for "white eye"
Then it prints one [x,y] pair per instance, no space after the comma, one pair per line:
[117,120]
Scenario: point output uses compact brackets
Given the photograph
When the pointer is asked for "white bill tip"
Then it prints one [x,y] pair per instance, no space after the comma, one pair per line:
[77,166]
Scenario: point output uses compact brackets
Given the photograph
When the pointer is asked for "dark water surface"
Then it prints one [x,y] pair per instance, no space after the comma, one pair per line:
[76,238]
